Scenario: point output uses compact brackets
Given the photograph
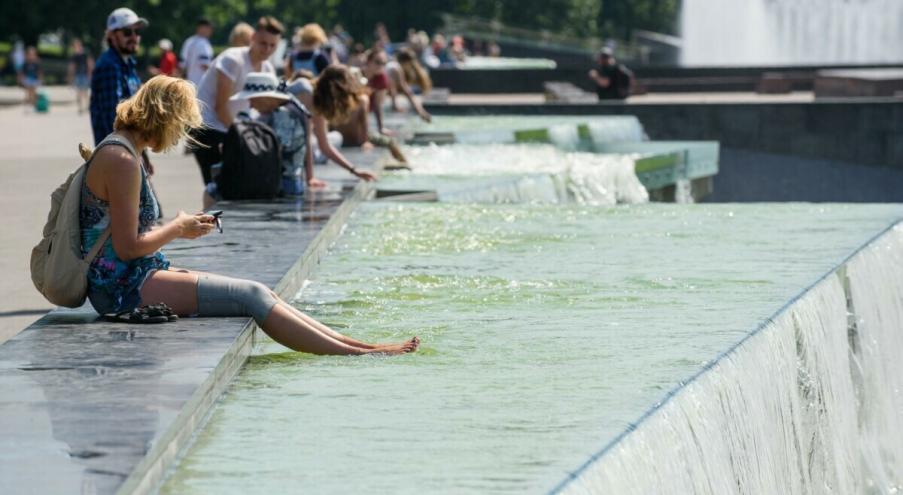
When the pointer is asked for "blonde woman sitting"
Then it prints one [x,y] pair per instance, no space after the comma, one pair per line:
[131,271]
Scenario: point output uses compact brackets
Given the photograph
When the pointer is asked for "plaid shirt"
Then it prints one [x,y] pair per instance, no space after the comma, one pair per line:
[114,79]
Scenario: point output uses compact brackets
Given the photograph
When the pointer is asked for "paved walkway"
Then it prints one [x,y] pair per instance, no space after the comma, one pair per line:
[59,95]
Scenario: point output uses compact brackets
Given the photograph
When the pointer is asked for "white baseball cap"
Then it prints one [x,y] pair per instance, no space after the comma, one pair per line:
[124,17]
[260,84]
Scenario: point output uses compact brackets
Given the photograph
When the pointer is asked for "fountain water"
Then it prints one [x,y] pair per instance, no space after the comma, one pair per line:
[521,173]
[791,32]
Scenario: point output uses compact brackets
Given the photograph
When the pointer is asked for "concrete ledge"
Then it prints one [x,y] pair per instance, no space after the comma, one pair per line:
[105,407]
[658,79]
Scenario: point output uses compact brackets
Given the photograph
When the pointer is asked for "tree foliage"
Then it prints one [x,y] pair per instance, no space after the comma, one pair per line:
[175,19]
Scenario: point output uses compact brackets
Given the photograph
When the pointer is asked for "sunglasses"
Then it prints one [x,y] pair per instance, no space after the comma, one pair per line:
[129,32]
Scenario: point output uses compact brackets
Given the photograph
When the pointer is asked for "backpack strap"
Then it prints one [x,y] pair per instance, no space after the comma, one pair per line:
[98,245]
[120,140]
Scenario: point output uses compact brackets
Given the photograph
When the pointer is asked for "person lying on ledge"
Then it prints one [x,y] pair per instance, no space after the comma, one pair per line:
[131,271]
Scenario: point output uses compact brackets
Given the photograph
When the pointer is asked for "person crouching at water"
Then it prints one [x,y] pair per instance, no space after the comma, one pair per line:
[131,271]
[333,98]
[342,100]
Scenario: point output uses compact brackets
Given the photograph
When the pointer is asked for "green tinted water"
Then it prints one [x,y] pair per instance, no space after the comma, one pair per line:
[546,330]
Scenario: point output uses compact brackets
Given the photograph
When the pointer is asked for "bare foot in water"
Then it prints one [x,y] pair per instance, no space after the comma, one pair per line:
[392,349]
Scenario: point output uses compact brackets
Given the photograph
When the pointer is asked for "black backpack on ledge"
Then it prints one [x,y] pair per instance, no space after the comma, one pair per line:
[252,162]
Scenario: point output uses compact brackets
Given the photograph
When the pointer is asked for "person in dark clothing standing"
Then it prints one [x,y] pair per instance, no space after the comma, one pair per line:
[115,77]
[30,77]
[613,80]
[81,64]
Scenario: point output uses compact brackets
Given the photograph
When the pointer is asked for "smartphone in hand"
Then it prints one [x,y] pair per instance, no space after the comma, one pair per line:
[216,220]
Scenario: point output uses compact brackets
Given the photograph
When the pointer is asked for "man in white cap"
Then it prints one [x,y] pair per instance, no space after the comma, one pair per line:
[115,78]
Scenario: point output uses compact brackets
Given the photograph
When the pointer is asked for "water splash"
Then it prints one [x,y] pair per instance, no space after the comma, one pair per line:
[810,404]
[526,174]
[791,32]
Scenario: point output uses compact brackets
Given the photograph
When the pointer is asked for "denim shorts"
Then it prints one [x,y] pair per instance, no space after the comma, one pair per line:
[102,302]
[82,81]
[105,303]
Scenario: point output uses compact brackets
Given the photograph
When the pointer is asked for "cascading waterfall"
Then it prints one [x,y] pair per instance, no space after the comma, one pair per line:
[876,293]
[529,174]
[810,403]
[791,32]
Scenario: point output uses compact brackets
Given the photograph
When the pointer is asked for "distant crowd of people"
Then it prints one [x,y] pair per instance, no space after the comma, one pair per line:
[329,91]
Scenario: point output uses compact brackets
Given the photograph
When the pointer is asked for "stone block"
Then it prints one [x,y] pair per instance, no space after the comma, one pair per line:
[774,83]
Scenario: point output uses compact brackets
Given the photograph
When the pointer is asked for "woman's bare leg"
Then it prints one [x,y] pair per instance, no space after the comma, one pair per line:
[322,326]
[344,338]
[178,289]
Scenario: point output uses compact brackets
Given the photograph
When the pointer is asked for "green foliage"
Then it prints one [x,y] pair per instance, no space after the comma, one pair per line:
[174,19]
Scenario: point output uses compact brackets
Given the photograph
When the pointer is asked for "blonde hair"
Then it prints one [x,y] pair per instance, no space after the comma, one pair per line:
[313,34]
[162,112]
[241,34]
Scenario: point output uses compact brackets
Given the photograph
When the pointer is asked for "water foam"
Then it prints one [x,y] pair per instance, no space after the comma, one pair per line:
[530,174]
[812,403]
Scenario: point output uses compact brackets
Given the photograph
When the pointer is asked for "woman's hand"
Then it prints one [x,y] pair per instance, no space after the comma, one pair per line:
[363,174]
[193,226]
[315,183]
[425,116]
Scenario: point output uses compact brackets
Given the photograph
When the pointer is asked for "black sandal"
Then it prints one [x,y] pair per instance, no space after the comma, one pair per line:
[161,309]
[151,314]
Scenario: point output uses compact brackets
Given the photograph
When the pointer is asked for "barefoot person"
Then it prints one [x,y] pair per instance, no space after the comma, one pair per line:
[131,272]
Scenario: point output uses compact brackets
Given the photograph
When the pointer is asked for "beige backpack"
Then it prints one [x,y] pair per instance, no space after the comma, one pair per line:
[58,269]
